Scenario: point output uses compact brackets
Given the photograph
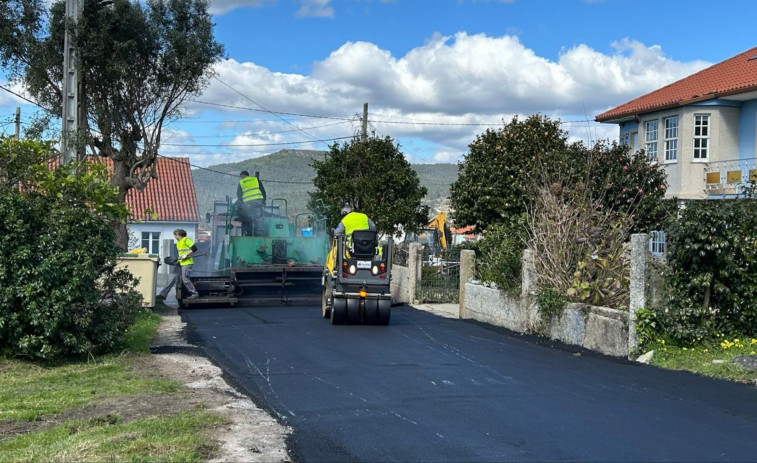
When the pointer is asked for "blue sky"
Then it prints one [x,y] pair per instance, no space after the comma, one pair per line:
[435,73]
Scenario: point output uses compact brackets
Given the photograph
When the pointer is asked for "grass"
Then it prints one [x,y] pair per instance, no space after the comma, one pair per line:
[165,439]
[41,409]
[714,359]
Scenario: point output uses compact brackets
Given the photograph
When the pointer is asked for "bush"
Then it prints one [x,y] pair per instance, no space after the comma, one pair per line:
[499,254]
[60,293]
[711,278]
[551,302]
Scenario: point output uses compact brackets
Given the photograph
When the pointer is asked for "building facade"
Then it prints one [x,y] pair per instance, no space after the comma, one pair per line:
[702,129]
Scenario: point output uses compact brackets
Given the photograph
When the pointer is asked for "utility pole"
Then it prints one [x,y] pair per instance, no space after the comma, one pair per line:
[364,133]
[72,88]
[18,123]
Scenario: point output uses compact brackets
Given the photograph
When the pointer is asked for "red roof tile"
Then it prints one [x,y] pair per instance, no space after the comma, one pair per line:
[171,197]
[732,76]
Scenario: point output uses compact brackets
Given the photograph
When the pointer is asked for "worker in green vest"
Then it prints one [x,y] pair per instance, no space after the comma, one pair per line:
[186,248]
[250,200]
[351,221]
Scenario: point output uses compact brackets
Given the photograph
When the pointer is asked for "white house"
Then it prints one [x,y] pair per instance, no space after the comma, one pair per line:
[702,129]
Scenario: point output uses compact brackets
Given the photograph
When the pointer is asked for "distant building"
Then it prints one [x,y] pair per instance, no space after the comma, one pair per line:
[702,129]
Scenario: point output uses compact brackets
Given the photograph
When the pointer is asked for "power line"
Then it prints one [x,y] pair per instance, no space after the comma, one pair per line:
[264,110]
[23,97]
[266,133]
[233,175]
[221,145]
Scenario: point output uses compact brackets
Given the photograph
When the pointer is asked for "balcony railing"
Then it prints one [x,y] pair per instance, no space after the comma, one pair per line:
[729,177]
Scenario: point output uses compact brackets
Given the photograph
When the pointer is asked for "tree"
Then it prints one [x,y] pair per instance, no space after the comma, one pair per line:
[506,170]
[139,62]
[491,185]
[374,177]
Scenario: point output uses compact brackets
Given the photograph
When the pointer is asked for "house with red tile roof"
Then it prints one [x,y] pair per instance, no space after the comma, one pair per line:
[702,129]
[166,203]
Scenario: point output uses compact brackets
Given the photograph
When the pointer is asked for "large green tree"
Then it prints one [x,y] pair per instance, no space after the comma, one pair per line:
[139,62]
[506,169]
[373,176]
[491,186]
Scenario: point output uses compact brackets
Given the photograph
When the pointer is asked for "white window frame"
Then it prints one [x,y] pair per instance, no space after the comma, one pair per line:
[702,129]
[670,125]
[151,241]
[651,136]
[657,243]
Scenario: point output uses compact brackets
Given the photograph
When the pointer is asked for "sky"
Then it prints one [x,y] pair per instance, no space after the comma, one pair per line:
[434,73]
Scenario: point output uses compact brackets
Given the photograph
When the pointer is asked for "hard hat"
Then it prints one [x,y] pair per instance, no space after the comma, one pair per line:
[346,209]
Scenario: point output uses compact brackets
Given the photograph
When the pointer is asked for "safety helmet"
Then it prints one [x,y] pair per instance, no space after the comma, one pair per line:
[346,209]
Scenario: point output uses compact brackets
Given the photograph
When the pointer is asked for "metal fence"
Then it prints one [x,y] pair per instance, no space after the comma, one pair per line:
[440,277]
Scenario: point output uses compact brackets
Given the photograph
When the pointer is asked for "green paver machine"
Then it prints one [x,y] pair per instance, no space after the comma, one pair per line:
[283,261]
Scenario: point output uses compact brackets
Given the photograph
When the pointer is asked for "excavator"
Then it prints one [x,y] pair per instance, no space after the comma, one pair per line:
[436,228]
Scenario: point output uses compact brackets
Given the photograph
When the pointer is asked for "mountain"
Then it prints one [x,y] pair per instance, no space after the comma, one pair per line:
[288,174]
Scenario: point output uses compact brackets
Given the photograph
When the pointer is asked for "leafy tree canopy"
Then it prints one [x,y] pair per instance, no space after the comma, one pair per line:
[491,184]
[374,177]
[139,62]
[505,169]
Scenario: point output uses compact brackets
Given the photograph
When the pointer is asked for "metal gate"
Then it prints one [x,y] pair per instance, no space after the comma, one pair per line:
[440,278]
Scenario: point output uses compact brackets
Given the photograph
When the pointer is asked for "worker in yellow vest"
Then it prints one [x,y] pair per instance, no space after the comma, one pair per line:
[350,222]
[250,200]
[185,248]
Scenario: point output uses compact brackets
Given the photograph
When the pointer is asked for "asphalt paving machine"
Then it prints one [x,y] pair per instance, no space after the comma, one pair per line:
[282,262]
[358,289]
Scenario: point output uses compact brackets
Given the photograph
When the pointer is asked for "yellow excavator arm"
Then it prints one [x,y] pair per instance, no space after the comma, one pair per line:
[437,224]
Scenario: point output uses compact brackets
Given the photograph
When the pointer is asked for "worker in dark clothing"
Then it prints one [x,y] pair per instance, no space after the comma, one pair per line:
[250,200]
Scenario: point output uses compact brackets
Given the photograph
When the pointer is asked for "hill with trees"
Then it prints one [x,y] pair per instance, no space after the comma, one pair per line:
[289,174]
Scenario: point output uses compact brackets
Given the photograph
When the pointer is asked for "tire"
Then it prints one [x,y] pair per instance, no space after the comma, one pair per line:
[353,311]
[338,311]
[384,311]
[371,311]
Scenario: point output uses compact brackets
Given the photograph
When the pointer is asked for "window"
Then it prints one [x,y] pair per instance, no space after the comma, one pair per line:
[657,243]
[671,138]
[650,130]
[701,137]
[151,242]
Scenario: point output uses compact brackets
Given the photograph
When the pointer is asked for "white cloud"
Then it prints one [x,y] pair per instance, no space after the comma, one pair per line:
[459,79]
[218,7]
[315,8]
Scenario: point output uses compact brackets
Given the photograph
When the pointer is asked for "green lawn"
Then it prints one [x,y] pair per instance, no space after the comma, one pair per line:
[106,409]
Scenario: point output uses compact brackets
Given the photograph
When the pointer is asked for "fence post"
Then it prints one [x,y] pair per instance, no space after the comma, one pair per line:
[414,266]
[528,289]
[467,271]
[639,288]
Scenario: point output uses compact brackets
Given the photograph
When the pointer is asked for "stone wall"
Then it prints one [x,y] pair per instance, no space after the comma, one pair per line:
[601,329]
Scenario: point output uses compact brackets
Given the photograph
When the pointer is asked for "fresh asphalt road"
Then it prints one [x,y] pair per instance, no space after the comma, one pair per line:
[428,388]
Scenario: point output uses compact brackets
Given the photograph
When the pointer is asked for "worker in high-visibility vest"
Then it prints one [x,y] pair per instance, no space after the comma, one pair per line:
[250,200]
[350,222]
[185,247]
